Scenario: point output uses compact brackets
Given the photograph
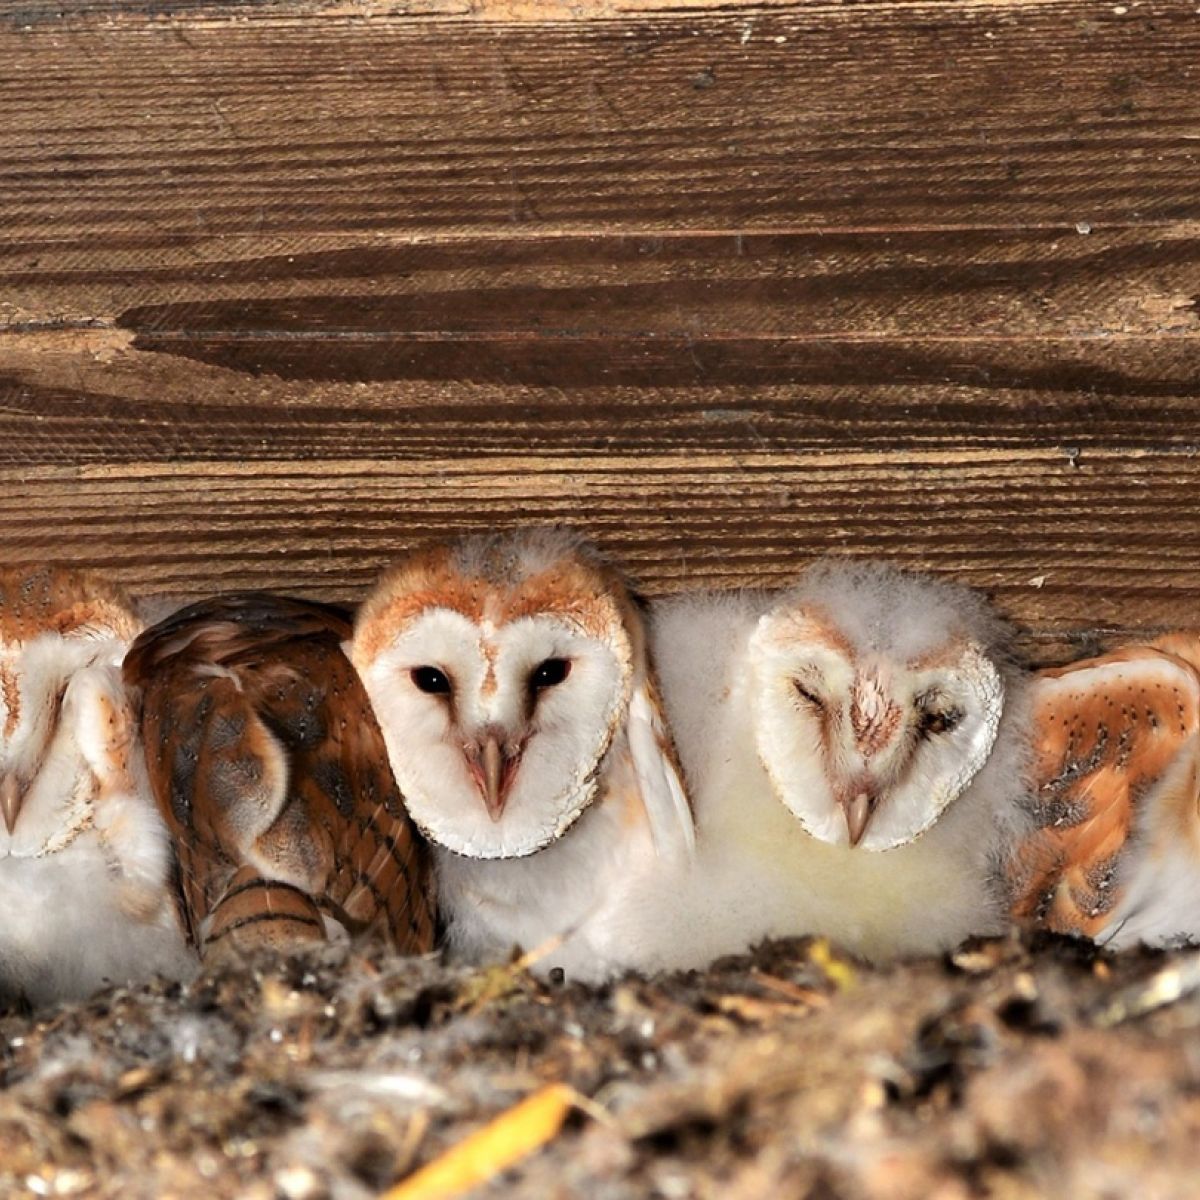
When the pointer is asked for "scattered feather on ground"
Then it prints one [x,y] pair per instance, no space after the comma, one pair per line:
[1007,1071]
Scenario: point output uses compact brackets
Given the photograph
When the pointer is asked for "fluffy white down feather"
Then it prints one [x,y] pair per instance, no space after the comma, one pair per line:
[574,905]
[83,881]
[758,873]
[1159,878]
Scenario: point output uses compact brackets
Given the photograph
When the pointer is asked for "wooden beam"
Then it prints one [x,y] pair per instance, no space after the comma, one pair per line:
[1104,540]
[278,120]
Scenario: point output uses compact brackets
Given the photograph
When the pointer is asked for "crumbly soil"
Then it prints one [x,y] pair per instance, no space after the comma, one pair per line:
[1006,1071]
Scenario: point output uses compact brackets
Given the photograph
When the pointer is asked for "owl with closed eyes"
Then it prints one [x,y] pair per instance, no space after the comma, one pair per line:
[272,777]
[1115,794]
[86,886]
[856,748]
[511,678]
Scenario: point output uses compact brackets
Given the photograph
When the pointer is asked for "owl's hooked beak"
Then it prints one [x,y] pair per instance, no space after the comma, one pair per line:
[12,796]
[858,807]
[493,767]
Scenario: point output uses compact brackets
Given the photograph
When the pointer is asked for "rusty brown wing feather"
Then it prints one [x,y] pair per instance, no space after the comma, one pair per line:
[1106,731]
[273,776]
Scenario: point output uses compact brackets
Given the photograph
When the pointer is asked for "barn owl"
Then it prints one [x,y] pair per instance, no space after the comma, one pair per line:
[510,676]
[270,770]
[856,751]
[85,864]
[1116,783]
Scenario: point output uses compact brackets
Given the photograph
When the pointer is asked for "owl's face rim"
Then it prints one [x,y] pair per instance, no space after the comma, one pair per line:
[35,674]
[496,756]
[866,752]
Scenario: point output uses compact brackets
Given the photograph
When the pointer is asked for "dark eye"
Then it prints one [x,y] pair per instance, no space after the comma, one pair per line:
[807,696]
[431,680]
[933,721]
[550,673]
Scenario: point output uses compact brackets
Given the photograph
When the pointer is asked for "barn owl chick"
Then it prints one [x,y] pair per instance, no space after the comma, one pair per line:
[1115,791]
[511,679]
[855,748]
[85,864]
[271,772]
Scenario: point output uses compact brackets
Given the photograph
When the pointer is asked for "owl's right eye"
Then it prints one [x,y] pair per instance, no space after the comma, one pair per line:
[431,680]
[807,696]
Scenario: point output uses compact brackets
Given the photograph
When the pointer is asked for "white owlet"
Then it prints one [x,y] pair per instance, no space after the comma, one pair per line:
[86,883]
[855,749]
[1115,854]
[511,680]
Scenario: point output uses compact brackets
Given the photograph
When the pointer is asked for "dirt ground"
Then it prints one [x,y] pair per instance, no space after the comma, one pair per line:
[1007,1071]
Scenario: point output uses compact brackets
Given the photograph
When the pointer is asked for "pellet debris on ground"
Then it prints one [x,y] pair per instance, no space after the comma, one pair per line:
[1005,1070]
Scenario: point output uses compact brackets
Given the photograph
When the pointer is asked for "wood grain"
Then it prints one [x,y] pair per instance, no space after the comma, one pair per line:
[286,287]
[264,120]
[742,397]
[1038,530]
[595,345]
[1003,282]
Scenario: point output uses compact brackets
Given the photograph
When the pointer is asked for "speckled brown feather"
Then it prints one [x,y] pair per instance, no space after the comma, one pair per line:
[38,598]
[1107,730]
[42,598]
[248,699]
[483,578]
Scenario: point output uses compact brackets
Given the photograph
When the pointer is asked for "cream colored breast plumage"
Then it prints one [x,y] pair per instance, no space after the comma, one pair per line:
[511,680]
[855,748]
[85,869]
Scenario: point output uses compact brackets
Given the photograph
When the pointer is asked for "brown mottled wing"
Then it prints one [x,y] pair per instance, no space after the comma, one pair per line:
[272,774]
[1106,731]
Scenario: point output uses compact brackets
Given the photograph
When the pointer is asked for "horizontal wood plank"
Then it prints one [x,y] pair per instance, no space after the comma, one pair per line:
[1037,282]
[1108,541]
[596,345]
[96,403]
[268,120]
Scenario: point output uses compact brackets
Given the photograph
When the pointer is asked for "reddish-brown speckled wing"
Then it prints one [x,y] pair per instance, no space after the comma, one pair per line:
[273,776]
[1106,731]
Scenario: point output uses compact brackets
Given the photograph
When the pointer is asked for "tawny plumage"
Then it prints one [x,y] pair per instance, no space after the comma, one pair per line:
[1116,855]
[85,884]
[273,777]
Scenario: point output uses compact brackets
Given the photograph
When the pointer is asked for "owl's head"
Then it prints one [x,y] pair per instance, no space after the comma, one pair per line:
[500,669]
[876,699]
[54,622]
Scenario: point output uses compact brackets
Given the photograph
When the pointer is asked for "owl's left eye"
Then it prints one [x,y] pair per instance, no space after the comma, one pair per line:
[549,673]
[933,721]
[431,680]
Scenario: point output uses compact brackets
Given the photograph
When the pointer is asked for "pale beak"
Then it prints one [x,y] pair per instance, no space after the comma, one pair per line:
[11,799]
[493,769]
[858,810]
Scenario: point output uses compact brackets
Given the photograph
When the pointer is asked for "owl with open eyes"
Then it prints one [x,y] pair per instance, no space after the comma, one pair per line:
[856,748]
[86,886]
[511,679]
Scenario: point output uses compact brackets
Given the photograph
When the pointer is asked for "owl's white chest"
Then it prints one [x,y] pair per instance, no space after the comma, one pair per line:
[83,895]
[764,876]
[67,930]
[568,900]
